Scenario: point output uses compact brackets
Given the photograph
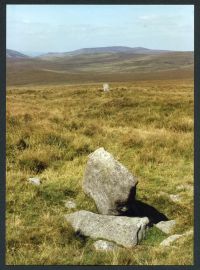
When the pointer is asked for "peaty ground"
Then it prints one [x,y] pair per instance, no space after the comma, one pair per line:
[147,126]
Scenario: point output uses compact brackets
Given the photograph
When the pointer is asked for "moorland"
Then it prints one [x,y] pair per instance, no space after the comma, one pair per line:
[57,114]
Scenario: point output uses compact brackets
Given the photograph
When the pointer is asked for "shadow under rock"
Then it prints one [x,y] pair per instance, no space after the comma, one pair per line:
[136,208]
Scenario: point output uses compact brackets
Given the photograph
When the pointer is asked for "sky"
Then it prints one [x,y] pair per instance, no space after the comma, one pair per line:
[62,28]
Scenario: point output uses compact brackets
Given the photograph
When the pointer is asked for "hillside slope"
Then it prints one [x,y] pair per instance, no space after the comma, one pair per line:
[100,66]
[15,54]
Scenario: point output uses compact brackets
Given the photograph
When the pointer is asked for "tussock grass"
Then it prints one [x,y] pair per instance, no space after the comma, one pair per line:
[147,126]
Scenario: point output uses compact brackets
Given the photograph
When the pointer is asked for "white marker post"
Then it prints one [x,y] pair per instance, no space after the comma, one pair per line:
[105,87]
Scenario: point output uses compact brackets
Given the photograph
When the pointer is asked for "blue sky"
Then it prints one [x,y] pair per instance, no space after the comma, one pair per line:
[60,28]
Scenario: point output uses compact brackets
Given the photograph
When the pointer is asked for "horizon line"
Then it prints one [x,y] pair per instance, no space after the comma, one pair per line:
[98,47]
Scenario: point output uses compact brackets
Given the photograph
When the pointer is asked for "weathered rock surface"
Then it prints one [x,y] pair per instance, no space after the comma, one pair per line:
[109,183]
[169,240]
[102,245]
[166,226]
[35,181]
[125,231]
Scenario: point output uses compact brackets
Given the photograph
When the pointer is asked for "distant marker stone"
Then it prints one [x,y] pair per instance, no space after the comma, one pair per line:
[105,87]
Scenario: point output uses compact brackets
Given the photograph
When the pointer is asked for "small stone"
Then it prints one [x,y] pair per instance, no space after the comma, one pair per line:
[168,241]
[166,226]
[102,245]
[175,198]
[125,231]
[70,204]
[35,181]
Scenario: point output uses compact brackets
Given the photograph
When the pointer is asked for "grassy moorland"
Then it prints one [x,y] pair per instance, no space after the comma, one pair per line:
[146,125]
[99,67]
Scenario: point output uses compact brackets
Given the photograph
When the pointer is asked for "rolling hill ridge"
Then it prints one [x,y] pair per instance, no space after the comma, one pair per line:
[99,64]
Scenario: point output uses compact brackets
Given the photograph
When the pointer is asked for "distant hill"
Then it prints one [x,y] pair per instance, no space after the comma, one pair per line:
[102,50]
[15,54]
[116,49]
[99,64]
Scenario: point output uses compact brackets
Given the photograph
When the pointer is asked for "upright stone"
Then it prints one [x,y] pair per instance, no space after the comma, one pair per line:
[106,87]
[109,183]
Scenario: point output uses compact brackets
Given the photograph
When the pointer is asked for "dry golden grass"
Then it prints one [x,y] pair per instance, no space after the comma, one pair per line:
[147,126]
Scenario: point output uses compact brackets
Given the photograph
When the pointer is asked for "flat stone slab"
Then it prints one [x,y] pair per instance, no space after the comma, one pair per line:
[125,231]
[102,245]
[108,183]
[166,226]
